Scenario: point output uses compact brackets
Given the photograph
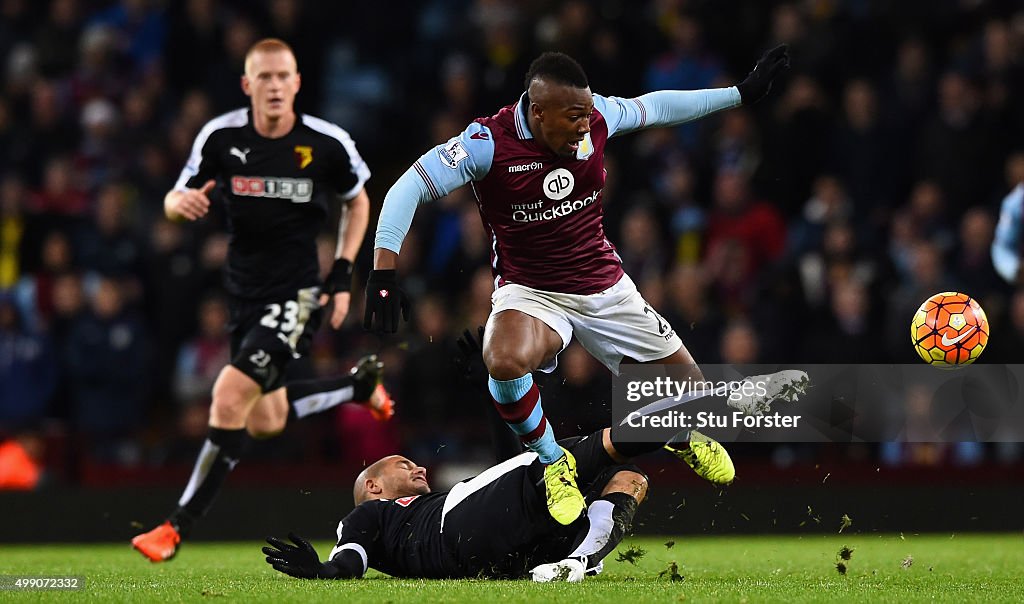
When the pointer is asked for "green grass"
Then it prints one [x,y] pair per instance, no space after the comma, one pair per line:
[953,568]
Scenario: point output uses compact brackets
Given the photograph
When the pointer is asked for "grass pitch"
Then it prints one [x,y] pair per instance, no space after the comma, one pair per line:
[954,568]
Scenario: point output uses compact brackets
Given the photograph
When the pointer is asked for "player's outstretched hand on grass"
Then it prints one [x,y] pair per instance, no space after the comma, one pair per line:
[759,81]
[384,298]
[300,560]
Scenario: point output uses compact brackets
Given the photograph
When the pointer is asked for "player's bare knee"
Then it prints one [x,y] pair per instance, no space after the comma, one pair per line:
[233,397]
[265,422]
[228,411]
[506,363]
[631,483]
[261,427]
[268,416]
[682,367]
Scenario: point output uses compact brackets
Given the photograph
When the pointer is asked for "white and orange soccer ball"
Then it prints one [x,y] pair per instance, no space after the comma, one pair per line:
[949,329]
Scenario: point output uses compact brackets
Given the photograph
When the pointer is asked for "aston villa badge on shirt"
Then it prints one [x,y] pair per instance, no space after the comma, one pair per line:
[586,148]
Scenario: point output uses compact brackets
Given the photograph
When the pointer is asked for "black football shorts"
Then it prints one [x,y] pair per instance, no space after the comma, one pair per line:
[267,336]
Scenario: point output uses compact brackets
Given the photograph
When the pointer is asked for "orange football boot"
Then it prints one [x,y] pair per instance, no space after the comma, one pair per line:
[158,544]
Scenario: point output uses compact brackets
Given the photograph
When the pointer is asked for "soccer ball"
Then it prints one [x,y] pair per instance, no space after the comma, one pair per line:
[949,329]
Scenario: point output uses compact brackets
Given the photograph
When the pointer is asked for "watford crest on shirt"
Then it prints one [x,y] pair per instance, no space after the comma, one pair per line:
[303,155]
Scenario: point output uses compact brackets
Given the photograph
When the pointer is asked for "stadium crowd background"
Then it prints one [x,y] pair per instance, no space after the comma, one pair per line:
[807,228]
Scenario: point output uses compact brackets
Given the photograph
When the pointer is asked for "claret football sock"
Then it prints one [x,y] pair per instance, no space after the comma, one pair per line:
[518,404]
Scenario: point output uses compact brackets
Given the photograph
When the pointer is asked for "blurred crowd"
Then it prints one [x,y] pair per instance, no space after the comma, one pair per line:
[807,228]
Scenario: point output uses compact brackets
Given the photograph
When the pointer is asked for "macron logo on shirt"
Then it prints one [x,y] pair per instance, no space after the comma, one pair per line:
[526,167]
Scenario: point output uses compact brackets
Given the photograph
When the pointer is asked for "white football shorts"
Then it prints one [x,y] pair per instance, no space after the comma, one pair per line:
[610,325]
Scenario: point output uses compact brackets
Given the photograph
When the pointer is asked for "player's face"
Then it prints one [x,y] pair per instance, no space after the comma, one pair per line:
[271,80]
[401,477]
[563,115]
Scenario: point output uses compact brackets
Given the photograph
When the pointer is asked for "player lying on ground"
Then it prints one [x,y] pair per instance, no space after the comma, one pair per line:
[279,174]
[537,172]
[495,525]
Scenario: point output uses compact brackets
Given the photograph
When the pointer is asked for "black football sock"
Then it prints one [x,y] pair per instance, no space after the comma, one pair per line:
[217,458]
[630,449]
[306,397]
[608,520]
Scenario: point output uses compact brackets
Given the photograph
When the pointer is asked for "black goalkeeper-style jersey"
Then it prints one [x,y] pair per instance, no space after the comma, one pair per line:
[277,194]
[493,525]
[399,537]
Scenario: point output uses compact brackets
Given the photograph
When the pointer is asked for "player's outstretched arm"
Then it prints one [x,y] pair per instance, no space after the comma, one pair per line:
[188,204]
[674,107]
[302,562]
[436,173]
[384,297]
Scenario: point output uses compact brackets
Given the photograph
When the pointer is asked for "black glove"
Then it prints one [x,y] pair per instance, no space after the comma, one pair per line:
[759,81]
[339,279]
[469,361]
[383,299]
[300,560]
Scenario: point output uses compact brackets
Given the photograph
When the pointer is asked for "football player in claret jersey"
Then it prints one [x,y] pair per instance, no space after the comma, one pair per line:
[537,171]
[278,174]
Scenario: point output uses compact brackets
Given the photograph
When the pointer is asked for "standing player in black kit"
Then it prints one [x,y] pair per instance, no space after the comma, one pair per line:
[278,173]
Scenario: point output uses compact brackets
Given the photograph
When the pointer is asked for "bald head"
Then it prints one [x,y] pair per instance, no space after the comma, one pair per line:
[369,473]
[391,477]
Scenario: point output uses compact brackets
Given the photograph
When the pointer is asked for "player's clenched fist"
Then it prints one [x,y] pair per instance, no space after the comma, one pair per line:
[189,204]
[384,298]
